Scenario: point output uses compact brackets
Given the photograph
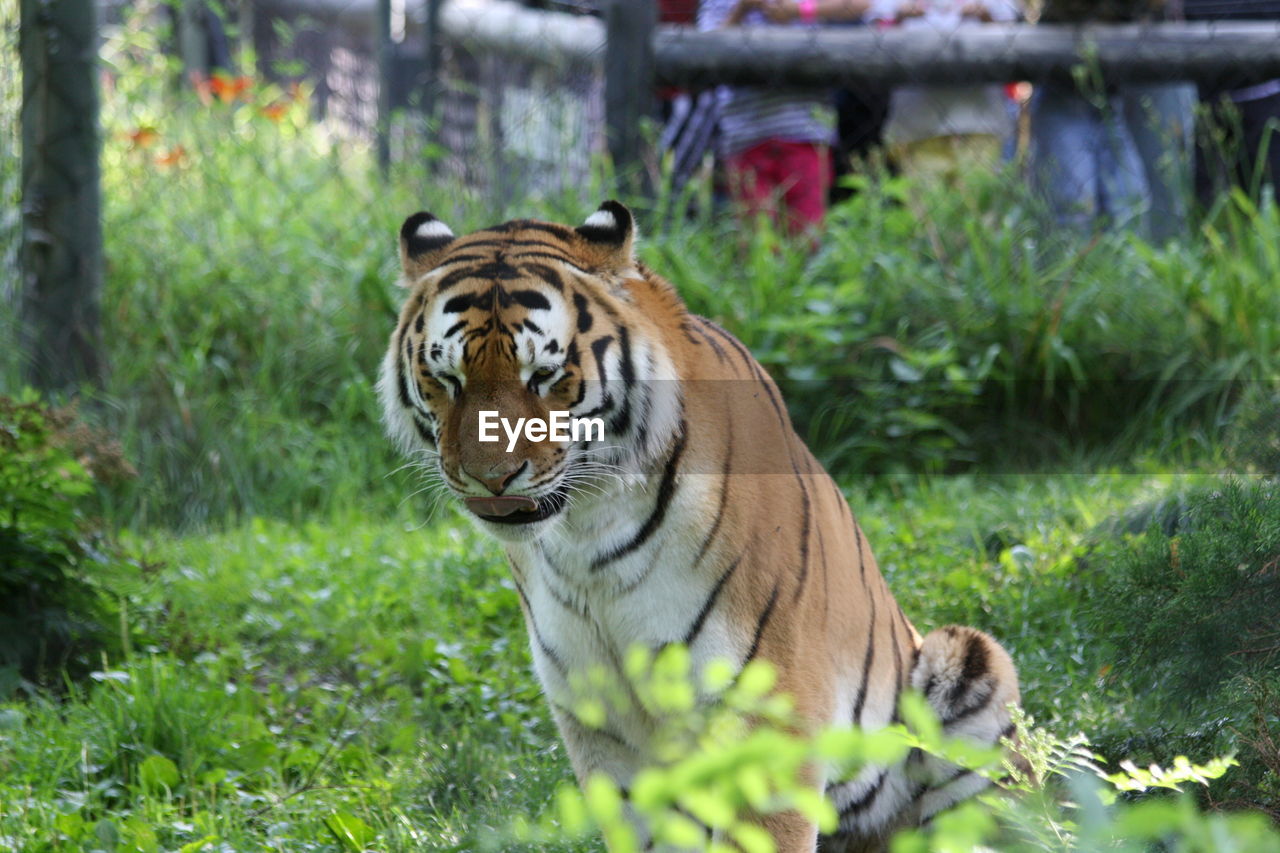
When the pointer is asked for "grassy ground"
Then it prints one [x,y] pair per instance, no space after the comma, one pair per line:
[292,683]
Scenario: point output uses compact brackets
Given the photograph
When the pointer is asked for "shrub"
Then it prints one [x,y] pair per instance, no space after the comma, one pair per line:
[716,771]
[54,609]
[1188,612]
[936,329]
[1254,430]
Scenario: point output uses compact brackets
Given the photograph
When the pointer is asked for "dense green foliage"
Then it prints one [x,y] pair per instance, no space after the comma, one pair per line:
[54,610]
[1191,608]
[304,683]
[936,328]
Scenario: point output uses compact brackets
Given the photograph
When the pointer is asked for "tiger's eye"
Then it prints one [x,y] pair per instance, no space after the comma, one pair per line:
[544,373]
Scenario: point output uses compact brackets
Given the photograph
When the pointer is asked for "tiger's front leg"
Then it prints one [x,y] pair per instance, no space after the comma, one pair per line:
[597,750]
[594,750]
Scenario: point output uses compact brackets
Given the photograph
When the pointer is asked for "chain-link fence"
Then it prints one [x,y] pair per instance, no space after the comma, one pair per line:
[1112,111]
[521,96]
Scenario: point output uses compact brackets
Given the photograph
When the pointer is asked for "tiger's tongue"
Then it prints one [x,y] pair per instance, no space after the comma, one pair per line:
[502,505]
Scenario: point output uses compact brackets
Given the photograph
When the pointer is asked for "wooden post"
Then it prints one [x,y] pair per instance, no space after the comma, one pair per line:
[629,86]
[61,256]
[193,37]
[385,74]
[431,44]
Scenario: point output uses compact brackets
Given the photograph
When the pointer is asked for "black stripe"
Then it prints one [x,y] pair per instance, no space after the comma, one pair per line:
[971,710]
[598,347]
[560,232]
[424,431]
[805,525]
[666,490]
[621,422]
[481,240]
[555,569]
[864,802]
[544,272]
[696,627]
[612,736]
[519,257]
[867,660]
[533,327]
[537,635]
[590,286]
[897,669]
[927,819]
[715,346]
[531,299]
[457,259]
[458,304]
[921,790]
[761,624]
[724,500]
[754,367]
[645,406]
[582,391]
[507,244]
[450,279]
[862,560]
[402,386]
[455,328]
[627,369]
[974,667]
[584,312]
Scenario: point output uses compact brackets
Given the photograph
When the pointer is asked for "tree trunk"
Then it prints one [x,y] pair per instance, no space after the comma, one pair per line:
[61,258]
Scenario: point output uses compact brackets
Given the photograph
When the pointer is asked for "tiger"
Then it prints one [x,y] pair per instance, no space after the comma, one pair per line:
[700,516]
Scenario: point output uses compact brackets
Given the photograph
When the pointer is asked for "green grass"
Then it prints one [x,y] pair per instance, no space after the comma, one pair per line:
[379,669]
[287,675]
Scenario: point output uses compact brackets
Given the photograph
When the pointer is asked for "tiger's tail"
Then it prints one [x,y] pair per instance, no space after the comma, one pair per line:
[970,682]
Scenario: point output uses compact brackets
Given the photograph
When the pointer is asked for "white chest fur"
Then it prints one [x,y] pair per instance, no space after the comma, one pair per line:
[586,613]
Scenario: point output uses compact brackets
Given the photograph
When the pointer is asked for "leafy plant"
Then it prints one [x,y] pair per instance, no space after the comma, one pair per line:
[1189,612]
[736,755]
[54,608]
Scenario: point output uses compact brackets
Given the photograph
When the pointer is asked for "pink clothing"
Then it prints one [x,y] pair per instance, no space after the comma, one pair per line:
[798,172]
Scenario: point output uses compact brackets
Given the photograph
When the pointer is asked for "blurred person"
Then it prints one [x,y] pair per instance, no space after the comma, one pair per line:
[688,117]
[775,142]
[1120,155]
[1240,146]
[939,131]
[861,112]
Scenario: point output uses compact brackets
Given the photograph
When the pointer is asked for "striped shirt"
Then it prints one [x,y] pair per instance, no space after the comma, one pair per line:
[750,115]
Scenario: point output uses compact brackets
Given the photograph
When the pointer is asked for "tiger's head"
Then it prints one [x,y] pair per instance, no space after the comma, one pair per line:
[521,321]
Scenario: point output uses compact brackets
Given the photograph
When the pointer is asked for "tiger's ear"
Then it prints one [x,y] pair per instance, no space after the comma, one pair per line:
[608,238]
[423,239]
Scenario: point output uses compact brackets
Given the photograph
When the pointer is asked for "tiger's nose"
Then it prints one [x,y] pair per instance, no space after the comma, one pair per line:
[498,476]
